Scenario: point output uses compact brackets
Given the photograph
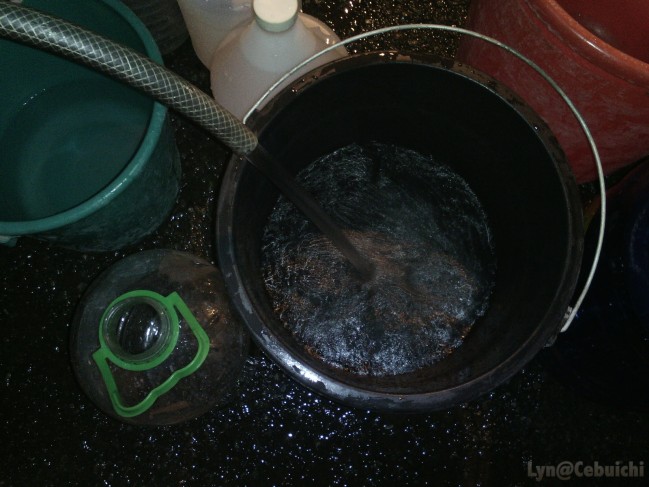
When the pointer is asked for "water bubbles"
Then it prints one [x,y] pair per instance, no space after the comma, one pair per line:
[424,230]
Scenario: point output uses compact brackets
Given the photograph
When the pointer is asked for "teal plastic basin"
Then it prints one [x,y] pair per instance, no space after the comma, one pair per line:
[85,161]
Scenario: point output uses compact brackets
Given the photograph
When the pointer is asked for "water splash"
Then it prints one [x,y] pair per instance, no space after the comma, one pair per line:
[424,230]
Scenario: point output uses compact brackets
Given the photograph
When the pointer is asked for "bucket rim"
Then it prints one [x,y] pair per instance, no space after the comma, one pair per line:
[354,394]
[614,61]
[157,119]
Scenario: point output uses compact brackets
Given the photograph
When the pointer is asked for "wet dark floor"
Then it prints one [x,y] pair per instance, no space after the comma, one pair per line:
[276,432]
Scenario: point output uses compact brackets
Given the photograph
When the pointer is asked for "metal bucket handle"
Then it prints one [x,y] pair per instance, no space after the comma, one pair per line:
[571,312]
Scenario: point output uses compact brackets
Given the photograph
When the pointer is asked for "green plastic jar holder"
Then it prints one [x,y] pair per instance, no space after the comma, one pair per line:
[167,310]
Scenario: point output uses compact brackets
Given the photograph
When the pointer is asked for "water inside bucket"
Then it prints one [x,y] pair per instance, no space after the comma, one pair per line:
[424,230]
[66,144]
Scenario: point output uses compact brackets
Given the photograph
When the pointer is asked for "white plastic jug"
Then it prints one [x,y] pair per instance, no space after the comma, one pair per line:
[257,54]
[209,21]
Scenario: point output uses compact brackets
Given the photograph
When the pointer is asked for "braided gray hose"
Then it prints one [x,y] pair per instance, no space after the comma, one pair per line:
[59,36]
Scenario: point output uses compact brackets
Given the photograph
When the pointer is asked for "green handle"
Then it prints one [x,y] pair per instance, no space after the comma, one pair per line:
[172,305]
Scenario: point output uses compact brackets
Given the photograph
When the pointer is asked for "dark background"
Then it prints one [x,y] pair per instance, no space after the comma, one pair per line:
[276,432]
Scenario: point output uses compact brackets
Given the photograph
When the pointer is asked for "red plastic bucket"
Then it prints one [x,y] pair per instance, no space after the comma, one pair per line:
[598,52]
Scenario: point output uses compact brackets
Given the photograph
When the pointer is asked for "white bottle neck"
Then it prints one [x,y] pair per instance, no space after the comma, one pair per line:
[277,51]
[275,15]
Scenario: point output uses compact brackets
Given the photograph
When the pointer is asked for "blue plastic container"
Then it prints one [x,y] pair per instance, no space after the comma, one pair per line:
[605,352]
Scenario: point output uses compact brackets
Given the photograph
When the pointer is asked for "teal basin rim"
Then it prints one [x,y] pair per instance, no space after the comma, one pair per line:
[132,169]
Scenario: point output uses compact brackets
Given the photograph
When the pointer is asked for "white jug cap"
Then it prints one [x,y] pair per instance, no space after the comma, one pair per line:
[275,15]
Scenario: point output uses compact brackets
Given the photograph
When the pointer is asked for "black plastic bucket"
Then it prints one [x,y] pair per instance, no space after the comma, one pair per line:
[486,135]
